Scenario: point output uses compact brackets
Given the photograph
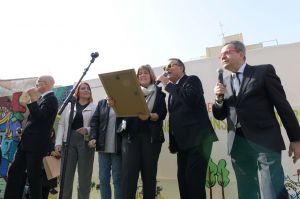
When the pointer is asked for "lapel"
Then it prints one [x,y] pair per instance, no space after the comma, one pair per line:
[172,99]
[229,91]
[41,99]
[182,80]
[247,75]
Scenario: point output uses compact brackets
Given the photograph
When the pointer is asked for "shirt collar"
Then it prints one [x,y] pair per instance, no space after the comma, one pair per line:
[45,93]
[179,79]
[242,68]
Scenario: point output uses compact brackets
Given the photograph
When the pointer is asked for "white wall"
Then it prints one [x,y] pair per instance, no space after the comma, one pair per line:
[286,60]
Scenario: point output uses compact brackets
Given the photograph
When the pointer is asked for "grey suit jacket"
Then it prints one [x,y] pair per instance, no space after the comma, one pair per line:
[261,91]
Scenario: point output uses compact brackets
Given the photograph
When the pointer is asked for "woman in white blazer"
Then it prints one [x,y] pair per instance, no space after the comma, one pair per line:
[79,153]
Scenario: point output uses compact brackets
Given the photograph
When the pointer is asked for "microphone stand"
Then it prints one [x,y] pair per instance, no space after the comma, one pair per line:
[72,100]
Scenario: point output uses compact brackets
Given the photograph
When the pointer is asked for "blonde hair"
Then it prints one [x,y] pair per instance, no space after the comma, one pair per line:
[148,68]
[76,94]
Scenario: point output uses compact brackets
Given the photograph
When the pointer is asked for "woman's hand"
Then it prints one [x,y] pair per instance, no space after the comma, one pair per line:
[110,101]
[154,117]
[143,116]
[92,143]
[82,131]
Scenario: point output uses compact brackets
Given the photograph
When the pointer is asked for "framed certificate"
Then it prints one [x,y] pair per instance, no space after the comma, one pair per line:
[123,87]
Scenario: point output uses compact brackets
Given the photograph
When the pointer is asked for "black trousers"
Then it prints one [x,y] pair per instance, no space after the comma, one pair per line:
[47,185]
[24,161]
[139,156]
[191,173]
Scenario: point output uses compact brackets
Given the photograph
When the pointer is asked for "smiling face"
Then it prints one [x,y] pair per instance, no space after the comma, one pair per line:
[83,92]
[144,77]
[231,59]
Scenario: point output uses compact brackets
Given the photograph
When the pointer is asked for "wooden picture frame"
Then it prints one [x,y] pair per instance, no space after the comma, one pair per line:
[123,87]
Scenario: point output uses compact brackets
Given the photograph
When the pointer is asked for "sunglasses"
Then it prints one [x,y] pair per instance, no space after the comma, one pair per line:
[170,66]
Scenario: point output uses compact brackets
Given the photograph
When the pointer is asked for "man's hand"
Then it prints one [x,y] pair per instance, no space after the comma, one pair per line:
[92,143]
[56,154]
[163,79]
[33,94]
[294,150]
[57,151]
[219,91]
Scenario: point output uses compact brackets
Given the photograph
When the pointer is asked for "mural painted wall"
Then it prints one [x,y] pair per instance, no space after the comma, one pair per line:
[12,116]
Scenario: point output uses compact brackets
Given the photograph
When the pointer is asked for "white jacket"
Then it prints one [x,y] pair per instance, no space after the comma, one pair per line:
[63,123]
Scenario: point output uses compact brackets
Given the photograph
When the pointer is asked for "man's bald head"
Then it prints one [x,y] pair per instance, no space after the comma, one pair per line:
[45,83]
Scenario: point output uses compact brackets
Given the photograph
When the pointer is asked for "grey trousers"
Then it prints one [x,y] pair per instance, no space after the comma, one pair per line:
[80,155]
[247,161]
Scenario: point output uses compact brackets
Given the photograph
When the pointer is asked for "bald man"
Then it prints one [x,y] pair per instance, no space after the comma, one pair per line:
[35,142]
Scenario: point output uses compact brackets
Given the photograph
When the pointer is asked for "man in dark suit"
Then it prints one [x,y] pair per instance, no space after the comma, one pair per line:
[35,141]
[247,99]
[190,132]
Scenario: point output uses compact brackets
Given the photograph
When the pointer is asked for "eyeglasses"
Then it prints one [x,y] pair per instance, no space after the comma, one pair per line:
[170,66]
[38,83]
[226,52]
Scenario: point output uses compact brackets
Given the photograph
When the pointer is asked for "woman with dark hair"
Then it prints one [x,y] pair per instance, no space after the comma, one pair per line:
[105,137]
[143,138]
[79,153]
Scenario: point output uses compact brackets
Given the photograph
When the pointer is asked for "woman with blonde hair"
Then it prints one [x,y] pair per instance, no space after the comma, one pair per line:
[80,155]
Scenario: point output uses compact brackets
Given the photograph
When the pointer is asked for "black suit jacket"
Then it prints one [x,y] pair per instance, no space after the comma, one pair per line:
[154,128]
[37,131]
[189,124]
[260,92]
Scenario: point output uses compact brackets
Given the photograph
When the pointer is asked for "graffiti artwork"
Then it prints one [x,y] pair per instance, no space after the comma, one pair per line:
[12,115]
[293,187]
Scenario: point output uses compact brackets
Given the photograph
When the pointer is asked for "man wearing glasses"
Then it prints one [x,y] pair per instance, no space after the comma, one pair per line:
[35,141]
[191,134]
[247,99]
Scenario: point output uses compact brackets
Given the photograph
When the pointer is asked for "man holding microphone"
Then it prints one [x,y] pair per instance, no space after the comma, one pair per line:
[191,134]
[247,99]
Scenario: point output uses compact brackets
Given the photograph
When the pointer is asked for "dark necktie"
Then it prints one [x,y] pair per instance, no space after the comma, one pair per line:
[236,82]
[171,100]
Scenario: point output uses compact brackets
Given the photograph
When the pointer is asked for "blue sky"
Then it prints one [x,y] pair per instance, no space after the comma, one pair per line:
[57,37]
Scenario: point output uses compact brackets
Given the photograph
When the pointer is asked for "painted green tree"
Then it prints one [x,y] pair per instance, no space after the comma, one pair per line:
[223,175]
[211,173]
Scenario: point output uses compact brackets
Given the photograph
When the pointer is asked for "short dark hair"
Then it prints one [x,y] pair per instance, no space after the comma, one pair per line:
[179,63]
[238,46]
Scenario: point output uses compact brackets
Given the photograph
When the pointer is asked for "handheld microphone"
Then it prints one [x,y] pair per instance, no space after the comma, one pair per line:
[158,81]
[220,80]
[220,76]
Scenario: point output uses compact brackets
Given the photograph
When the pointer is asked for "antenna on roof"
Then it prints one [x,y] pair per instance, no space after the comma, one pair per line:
[222,32]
